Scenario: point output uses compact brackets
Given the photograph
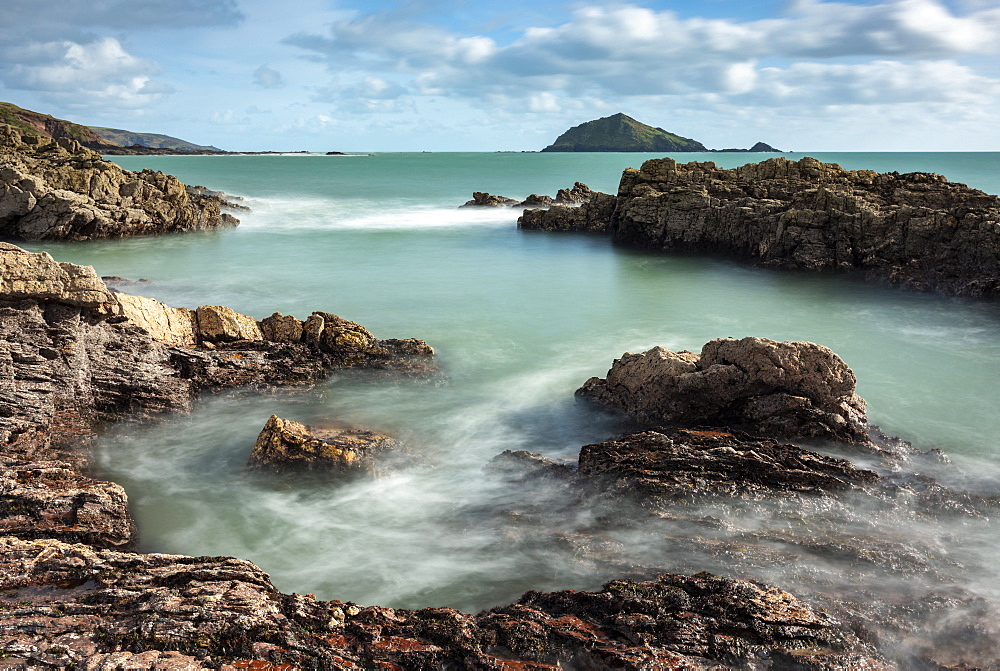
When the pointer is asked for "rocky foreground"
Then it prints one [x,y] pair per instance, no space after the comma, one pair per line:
[916,230]
[60,190]
[75,355]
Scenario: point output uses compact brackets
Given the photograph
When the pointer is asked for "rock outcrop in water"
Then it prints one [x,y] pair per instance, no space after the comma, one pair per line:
[60,190]
[784,389]
[917,230]
[566,199]
[285,445]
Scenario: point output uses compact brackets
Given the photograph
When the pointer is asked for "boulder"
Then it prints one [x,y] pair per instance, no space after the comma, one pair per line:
[286,445]
[782,389]
[173,326]
[579,194]
[281,328]
[217,323]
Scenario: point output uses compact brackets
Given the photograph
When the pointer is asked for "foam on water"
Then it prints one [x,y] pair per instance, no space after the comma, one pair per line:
[323,214]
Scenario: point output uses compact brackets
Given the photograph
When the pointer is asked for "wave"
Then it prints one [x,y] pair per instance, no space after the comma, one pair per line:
[311,213]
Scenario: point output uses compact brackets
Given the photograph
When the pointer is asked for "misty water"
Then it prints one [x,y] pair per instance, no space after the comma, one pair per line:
[519,320]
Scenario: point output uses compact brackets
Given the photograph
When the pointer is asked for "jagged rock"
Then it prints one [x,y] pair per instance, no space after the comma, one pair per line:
[916,230]
[579,194]
[593,216]
[286,445]
[480,199]
[785,389]
[58,189]
[282,328]
[534,200]
[68,605]
[693,464]
[217,323]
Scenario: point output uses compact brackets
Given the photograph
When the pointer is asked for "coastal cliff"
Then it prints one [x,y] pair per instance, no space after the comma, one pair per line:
[60,190]
[915,230]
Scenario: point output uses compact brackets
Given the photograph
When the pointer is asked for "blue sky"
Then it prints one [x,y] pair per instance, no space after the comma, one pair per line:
[452,75]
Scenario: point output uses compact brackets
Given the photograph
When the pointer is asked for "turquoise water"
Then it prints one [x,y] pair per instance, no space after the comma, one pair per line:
[519,320]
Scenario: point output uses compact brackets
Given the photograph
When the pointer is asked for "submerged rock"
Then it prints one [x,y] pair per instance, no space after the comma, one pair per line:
[60,190]
[784,389]
[286,445]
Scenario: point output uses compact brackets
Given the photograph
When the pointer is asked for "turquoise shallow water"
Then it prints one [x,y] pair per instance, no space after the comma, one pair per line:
[519,321]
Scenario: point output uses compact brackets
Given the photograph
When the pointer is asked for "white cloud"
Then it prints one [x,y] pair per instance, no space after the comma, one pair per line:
[94,74]
[817,52]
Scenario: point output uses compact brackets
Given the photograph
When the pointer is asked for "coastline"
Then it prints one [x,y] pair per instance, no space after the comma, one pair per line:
[409,641]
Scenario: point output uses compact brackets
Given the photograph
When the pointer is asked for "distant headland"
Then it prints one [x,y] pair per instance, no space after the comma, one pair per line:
[621,132]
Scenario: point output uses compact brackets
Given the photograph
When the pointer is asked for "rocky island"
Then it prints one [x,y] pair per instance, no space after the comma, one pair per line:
[915,230]
[620,132]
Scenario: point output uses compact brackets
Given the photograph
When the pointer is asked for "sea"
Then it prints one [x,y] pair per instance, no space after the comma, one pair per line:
[519,320]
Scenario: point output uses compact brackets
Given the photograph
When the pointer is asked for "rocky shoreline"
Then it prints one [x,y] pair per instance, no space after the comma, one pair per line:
[76,356]
[914,230]
[60,190]
[73,594]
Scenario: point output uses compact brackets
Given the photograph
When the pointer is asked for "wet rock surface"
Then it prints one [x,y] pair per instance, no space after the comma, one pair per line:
[783,389]
[690,464]
[288,446]
[917,230]
[70,604]
[60,190]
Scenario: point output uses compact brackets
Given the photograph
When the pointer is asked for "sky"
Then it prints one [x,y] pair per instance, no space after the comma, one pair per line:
[457,75]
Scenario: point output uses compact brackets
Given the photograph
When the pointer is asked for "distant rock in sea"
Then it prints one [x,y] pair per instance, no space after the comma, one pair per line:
[760,147]
[620,132]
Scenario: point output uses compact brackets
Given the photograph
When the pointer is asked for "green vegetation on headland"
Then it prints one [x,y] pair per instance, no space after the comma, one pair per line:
[127,138]
[44,125]
[621,132]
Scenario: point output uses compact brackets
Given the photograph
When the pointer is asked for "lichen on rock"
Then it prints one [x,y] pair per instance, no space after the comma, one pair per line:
[286,445]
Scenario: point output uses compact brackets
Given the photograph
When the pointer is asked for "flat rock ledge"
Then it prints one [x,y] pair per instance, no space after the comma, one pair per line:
[60,190]
[915,230]
[782,389]
[285,445]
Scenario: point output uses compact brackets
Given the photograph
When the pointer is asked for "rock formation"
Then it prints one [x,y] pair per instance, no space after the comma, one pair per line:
[916,230]
[593,206]
[620,132]
[60,190]
[699,464]
[74,354]
[288,446]
[786,389]
[481,199]
[76,606]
